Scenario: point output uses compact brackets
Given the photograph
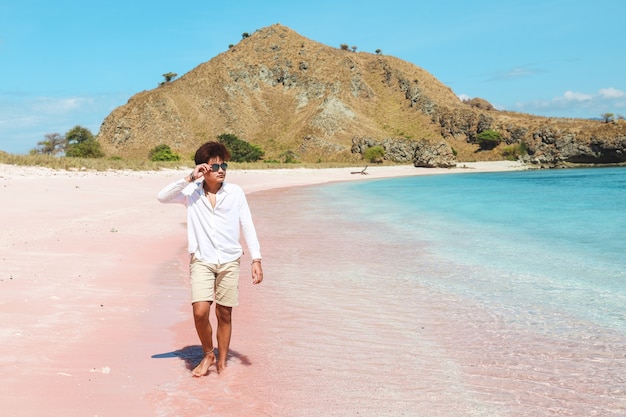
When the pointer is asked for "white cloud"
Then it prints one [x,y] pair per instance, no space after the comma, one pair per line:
[573,96]
[517,72]
[611,92]
[576,104]
[60,105]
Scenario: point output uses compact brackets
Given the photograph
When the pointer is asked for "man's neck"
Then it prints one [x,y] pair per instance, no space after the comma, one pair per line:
[212,187]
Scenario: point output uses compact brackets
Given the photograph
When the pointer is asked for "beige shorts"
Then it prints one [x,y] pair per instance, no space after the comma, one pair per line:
[213,282]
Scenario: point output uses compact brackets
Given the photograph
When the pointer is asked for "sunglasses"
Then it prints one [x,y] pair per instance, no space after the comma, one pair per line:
[216,167]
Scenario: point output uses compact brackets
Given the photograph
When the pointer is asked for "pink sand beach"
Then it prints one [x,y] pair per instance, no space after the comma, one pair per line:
[96,318]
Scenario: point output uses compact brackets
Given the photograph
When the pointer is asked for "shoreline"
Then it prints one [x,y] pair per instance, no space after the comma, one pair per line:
[94,293]
[265,179]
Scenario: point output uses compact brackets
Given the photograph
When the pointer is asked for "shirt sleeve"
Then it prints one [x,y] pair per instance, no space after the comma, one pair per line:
[249,231]
[173,193]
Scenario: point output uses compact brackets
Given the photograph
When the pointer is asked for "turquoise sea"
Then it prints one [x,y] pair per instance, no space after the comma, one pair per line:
[543,243]
[485,294]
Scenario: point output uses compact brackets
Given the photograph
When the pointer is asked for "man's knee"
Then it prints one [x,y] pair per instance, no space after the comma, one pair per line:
[201,311]
[223,313]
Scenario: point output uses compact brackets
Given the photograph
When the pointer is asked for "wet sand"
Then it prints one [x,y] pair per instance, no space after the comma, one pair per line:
[94,300]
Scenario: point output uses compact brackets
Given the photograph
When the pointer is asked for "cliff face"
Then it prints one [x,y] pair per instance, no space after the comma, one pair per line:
[604,144]
[284,92]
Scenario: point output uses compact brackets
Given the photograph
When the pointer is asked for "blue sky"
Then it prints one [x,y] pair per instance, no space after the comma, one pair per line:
[71,62]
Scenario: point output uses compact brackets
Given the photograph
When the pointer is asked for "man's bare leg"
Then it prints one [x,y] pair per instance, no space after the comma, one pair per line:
[201,312]
[224,330]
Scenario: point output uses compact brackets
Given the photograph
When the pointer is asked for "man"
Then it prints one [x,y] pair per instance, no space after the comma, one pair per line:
[216,212]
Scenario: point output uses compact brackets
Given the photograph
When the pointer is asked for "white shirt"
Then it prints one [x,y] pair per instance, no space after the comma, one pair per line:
[213,233]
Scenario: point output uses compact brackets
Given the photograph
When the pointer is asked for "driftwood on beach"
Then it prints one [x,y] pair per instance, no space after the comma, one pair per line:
[361,172]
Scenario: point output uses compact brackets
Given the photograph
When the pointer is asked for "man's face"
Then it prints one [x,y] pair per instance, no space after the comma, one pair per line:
[216,170]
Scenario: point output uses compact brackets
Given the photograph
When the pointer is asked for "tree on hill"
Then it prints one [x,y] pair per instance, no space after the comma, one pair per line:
[488,139]
[169,76]
[608,117]
[53,145]
[80,143]
[240,150]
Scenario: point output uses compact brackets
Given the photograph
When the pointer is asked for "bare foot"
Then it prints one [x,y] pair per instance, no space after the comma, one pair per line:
[203,368]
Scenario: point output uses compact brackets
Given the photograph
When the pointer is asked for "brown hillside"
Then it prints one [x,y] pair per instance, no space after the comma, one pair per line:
[283,92]
[273,89]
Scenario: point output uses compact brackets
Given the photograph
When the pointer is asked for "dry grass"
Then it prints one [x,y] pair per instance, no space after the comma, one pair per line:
[95,164]
[104,164]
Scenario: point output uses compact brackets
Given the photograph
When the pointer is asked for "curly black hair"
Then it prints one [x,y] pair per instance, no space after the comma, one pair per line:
[211,150]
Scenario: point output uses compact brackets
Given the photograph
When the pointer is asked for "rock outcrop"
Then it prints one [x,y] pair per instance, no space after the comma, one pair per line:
[557,148]
[430,154]
[421,153]
[479,103]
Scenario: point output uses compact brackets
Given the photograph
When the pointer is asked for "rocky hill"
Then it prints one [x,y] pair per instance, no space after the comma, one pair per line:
[286,93]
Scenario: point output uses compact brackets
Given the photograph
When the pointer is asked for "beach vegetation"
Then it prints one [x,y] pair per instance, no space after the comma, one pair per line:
[53,144]
[513,152]
[240,150]
[88,149]
[289,157]
[374,154]
[78,134]
[117,163]
[488,139]
[81,143]
[163,153]
[88,164]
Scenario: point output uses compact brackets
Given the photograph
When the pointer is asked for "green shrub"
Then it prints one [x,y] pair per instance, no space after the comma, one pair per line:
[163,153]
[289,157]
[240,150]
[488,139]
[512,152]
[374,154]
[89,148]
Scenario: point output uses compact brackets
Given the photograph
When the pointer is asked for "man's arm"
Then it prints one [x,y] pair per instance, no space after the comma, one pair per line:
[172,193]
[252,241]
